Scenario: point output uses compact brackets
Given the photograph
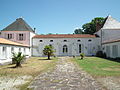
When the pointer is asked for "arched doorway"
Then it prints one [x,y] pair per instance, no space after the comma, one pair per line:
[65,49]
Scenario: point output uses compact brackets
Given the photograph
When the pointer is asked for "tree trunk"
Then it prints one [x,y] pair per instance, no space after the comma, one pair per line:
[48,57]
[18,64]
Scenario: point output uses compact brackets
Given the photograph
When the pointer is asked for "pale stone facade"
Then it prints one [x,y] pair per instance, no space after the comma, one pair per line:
[74,46]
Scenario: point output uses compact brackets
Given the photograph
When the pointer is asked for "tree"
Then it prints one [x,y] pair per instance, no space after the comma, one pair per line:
[17,58]
[78,31]
[91,27]
[48,50]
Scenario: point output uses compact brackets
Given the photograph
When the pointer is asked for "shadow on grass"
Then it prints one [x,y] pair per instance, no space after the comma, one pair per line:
[114,60]
[45,59]
[12,67]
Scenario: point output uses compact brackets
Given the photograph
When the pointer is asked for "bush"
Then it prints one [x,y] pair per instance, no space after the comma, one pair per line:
[82,55]
[101,54]
[104,55]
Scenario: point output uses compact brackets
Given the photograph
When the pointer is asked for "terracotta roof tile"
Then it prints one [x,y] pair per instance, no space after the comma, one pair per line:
[8,42]
[65,36]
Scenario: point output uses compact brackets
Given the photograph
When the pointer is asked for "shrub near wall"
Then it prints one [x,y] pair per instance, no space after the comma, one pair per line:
[101,54]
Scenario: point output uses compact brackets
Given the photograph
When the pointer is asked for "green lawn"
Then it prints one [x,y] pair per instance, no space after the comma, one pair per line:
[99,67]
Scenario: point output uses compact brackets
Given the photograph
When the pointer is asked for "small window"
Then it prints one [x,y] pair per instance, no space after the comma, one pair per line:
[78,40]
[4,49]
[51,40]
[65,40]
[41,40]
[12,49]
[9,36]
[21,37]
[24,51]
[19,49]
[79,48]
[89,40]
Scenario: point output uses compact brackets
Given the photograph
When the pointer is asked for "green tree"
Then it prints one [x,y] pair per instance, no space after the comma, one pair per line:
[17,58]
[91,27]
[78,31]
[49,51]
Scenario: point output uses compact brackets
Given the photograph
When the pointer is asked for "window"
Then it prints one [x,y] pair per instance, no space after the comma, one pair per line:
[51,40]
[20,37]
[12,49]
[19,49]
[115,50]
[9,36]
[4,53]
[41,40]
[108,51]
[89,40]
[65,40]
[4,49]
[24,51]
[65,49]
[78,40]
[79,48]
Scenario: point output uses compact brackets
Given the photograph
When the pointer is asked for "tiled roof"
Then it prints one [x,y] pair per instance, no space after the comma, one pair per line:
[18,25]
[65,36]
[111,41]
[8,42]
[111,23]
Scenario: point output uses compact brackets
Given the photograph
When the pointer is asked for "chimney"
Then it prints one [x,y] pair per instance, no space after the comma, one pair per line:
[34,30]
[98,27]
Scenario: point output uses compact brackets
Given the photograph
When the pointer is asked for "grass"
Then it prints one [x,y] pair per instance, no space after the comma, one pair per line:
[98,66]
[33,67]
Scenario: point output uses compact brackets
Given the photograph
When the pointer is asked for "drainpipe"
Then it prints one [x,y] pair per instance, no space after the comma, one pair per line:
[101,39]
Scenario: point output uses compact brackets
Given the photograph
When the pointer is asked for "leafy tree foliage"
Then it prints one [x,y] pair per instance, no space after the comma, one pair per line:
[78,31]
[17,58]
[49,51]
[90,28]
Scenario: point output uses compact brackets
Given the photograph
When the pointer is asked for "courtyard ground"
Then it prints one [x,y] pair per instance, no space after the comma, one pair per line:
[66,73]
[19,78]
[65,76]
[104,71]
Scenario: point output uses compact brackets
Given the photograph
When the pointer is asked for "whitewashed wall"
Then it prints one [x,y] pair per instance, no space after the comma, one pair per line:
[6,56]
[112,53]
[109,34]
[89,48]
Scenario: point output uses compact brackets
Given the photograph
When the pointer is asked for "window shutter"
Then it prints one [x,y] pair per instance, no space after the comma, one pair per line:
[13,36]
[17,38]
[5,36]
[24,36]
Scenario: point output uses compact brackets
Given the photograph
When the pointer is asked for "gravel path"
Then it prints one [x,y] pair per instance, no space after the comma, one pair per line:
[66,76]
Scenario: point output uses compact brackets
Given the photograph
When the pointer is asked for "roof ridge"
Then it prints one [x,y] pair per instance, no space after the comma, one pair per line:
[111,23]
[18,25]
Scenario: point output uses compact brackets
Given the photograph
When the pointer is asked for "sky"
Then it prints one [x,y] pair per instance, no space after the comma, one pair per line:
[56,16]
